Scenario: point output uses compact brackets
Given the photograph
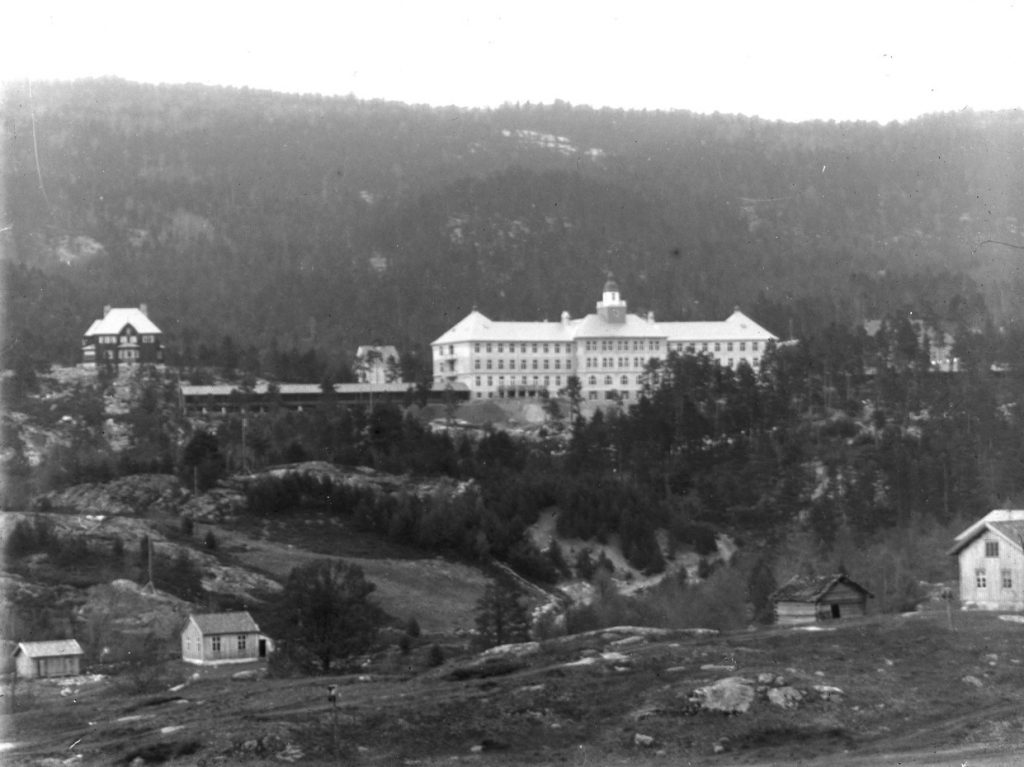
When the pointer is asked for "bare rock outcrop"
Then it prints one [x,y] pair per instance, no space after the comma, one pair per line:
[135,495]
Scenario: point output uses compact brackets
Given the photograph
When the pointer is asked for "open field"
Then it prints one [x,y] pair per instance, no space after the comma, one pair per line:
[913,692]
[439,593]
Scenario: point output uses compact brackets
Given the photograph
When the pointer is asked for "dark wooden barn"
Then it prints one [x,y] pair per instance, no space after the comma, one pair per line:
[803,599]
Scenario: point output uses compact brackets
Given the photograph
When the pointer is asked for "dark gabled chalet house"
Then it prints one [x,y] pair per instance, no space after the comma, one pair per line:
[803,599]
[122,337]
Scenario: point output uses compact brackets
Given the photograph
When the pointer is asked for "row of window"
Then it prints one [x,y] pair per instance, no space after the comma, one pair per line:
[533,364]
[623,395]
[622,345]
[705,346]
[604,345]
[126,339]
[532,348]
[215,642]
[523,380]
[981,579]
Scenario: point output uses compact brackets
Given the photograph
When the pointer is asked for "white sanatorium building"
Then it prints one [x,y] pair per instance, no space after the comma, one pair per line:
[607,350]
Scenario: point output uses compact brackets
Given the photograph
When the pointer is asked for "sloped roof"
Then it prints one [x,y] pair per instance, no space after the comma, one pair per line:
[592,326]
[801,588]
[383,351]
[737,327]
[50,649]
[1008,523]
[114,321]
[225,623]
[309,390]
[477,327]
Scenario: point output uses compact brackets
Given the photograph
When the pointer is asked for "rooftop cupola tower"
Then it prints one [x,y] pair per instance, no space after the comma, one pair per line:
[611,307]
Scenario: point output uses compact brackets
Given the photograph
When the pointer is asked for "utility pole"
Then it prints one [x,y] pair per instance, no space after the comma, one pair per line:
[332,697]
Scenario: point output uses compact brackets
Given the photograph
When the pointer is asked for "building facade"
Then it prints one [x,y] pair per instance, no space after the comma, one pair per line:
[41,660]
[215,638]
[990,558]
[608,351]
[122,337]
[378,365]
[802,600]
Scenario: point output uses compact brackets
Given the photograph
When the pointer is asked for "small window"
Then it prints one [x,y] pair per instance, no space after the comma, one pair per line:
[1007,579]
[592,380]
[991,548]
[215,644]
[979,579]
[476,348]
[241,641]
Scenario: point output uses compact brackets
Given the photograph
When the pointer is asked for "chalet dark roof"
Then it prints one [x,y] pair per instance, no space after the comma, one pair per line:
[225,623]
[801,588]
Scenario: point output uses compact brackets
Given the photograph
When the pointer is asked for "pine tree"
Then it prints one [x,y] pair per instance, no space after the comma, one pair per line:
[501,617]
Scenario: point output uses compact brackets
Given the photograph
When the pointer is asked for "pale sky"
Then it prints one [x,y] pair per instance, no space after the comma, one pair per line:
[820,59]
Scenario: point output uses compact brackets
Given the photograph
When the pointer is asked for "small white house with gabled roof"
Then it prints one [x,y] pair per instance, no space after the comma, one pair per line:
[990,557]
[41,660]
[214,638]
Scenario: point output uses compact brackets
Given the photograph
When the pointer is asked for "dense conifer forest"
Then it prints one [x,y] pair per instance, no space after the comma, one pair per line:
[260,227]
[272,234]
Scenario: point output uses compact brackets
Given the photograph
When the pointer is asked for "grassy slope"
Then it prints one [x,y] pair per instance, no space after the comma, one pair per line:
[901,677]
[441,595]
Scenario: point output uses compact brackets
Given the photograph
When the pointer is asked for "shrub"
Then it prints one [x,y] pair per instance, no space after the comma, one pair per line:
[436,656]
[412,628]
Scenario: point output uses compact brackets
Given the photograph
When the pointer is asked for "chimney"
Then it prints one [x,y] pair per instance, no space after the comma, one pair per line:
[106,310]
[650,317]
[565,318]
[144,309]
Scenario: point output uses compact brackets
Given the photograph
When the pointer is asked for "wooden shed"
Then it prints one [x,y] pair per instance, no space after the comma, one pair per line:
[803,599]
[40,660]
[222,638]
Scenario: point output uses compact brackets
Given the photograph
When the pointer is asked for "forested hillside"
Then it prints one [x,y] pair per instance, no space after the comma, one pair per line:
[258,225]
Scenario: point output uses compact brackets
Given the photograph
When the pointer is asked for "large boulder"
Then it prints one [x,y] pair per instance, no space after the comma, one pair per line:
[220,504]
[732,695]
[785,697]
